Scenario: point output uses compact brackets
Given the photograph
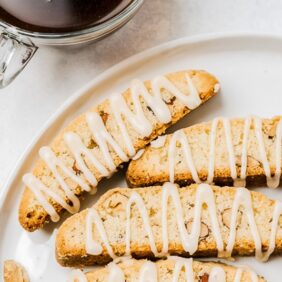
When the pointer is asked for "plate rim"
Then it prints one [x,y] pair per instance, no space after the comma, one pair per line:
[145,54]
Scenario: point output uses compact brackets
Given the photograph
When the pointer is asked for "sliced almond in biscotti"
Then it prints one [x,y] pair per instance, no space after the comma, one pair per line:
[223,151]
[96,143]
[171,269]
[197,220]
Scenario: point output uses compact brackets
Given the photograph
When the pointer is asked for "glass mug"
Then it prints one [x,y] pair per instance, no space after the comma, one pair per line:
[18,39]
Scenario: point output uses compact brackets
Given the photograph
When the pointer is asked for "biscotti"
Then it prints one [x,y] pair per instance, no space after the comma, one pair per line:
[96,143]
[172,269]
[14,272]
[198,220]
[224,151]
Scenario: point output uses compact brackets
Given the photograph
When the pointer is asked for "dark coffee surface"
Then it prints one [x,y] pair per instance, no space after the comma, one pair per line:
[59,15]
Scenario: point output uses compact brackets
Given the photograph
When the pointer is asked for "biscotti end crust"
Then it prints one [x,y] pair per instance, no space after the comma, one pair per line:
[32,215]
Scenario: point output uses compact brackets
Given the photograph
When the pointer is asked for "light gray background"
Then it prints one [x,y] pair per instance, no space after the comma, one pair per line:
[54,74]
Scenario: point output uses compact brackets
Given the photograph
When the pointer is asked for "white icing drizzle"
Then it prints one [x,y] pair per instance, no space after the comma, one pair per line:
[212,150]
[38,188]
[138,155]
[239,273]
[217,274]
[53,162]
[272,181]
[204,196]
[227,131]
[244,155]
[179,264]
[93,247]
[78,276]
[115,273]
[102,137]
[159,142]
[231,155]
[191,101]
[136,199]
[277,212]
[149,273]
[135,116]
[243,198]
[179,136]
[254,276]
[78,149]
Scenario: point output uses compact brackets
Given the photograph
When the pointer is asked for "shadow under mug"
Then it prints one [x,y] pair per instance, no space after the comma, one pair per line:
[17,46]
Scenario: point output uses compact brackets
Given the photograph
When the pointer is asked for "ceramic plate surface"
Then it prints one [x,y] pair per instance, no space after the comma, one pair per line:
[249,68]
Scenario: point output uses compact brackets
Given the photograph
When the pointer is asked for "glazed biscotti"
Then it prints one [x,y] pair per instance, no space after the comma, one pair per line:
[198,220]
[96,143]
[224,151]
[172,269]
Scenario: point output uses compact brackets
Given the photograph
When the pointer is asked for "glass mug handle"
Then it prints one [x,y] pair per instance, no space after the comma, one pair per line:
[15,53]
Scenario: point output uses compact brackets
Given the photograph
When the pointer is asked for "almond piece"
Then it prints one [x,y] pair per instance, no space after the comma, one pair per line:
[251,161]
[115,203]
[204,229]
[204,278]
[226,217]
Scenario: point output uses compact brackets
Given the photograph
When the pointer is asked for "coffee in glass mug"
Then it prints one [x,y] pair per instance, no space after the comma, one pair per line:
[59,15]
[26,23]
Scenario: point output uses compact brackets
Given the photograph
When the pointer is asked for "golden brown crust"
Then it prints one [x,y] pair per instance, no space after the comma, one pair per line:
[152,167]
[32,216]
[14,272]
[165,270]
[70,241]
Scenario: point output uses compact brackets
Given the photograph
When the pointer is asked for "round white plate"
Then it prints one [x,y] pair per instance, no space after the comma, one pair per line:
[249,68]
